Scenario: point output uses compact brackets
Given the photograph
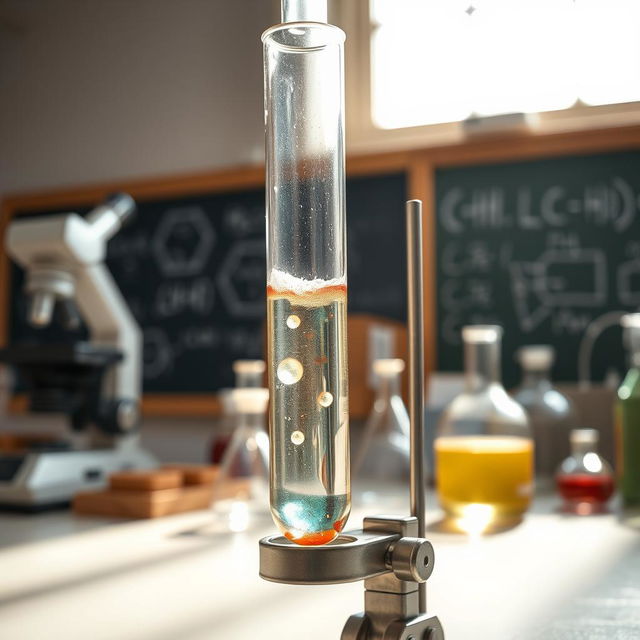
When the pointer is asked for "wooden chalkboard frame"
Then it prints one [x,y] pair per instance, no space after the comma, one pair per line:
[250,177]
[488,150]
[419,165]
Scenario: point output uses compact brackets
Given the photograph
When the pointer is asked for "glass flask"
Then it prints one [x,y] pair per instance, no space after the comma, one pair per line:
[628,418]
[248,373]
[483,448]
[585,480]
[384,453]
[551,414]
[306,275]
[241,489]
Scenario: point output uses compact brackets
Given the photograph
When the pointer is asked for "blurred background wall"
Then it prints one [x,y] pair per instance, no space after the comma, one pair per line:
[99,90]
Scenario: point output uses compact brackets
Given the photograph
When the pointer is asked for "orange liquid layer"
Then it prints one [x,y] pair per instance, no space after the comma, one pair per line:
[321,537]
[333,292]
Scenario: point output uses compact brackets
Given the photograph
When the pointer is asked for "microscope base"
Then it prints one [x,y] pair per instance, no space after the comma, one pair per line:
[40,480]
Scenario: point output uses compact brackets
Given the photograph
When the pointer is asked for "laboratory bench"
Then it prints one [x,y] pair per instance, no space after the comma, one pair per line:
[553,577]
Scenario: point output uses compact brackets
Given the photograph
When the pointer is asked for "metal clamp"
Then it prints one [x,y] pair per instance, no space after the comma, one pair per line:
[387,554]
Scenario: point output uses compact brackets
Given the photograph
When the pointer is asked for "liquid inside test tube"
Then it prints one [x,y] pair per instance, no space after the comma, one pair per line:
[310,498]
[306,283]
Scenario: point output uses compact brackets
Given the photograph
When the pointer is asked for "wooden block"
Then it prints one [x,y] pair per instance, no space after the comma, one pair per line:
[142,504]
[15,442]
[195,474]
[154,480]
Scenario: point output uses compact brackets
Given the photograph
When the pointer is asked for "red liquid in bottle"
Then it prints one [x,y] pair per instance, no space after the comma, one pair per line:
[218,447]
[586,490]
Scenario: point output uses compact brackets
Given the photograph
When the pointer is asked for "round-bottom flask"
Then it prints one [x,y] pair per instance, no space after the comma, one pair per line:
[483,450]
[551,414]
[585,480]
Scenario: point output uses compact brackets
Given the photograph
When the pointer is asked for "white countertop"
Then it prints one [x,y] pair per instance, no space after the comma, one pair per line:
[92,579]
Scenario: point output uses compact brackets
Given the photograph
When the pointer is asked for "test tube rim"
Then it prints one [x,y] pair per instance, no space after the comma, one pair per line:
[338,39]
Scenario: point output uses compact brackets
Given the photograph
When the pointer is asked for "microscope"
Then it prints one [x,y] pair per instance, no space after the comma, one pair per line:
[97,384]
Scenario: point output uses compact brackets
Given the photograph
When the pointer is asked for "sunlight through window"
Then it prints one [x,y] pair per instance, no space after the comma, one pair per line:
[462,58]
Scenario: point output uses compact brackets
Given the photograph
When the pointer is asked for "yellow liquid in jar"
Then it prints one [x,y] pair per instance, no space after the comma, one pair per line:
[494,473]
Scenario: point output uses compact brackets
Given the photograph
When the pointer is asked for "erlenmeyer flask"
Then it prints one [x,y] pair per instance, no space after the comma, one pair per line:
[241,491]
[383,460]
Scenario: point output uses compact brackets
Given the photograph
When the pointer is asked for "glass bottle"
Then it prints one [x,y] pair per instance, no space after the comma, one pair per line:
[584,480]
[551,414]
[483,448]
[384,453]
[306,274]
[628,418]
[241,490]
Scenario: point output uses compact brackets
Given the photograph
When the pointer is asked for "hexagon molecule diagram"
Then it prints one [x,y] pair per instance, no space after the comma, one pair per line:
[183,241]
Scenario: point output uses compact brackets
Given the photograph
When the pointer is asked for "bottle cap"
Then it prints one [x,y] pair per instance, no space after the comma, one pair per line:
[481,333]
[584,436]
[249,366]
[252,400]
[388,366]
[536,356]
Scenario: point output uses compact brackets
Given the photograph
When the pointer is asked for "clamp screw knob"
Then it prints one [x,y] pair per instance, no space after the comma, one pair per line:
[412,559]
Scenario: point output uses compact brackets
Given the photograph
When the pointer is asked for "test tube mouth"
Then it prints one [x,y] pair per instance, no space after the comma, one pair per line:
[303,37]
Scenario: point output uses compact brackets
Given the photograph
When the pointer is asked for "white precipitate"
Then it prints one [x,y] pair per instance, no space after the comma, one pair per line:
[283,281]
[297,437]
[293,321]
[290,371]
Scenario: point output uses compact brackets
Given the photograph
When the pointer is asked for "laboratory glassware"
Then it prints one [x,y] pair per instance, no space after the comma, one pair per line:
[628,417]
[584,479]
[306,276]
[384,453]
[242,487]
[551,414]
[248,373]
[483,448]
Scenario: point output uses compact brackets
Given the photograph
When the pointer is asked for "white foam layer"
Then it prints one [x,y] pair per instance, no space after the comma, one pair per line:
[282,281]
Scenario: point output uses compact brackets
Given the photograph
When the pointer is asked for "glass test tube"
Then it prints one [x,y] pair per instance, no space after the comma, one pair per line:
[306,277]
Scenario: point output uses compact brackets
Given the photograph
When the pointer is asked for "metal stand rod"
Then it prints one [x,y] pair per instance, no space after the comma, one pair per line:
[416,369]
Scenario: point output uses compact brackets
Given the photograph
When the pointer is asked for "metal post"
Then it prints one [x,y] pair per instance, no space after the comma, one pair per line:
[416,369]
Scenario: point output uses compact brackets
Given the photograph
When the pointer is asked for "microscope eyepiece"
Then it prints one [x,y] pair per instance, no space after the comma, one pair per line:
[110,216]
[123,204]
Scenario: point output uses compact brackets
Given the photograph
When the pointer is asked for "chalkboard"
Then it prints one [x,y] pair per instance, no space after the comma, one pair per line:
[543,248]
[192,270]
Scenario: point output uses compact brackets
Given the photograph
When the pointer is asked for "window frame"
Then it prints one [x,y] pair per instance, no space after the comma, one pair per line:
[364,136]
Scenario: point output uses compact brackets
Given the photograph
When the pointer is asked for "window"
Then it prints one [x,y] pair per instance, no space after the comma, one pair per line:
[442,61]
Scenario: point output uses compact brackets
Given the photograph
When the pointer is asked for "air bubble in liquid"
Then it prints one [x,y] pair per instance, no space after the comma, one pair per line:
[297,437]
[290,371]
[293,322]
[325,399]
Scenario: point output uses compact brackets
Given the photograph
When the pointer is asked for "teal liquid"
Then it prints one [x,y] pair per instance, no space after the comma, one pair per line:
[309,519]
